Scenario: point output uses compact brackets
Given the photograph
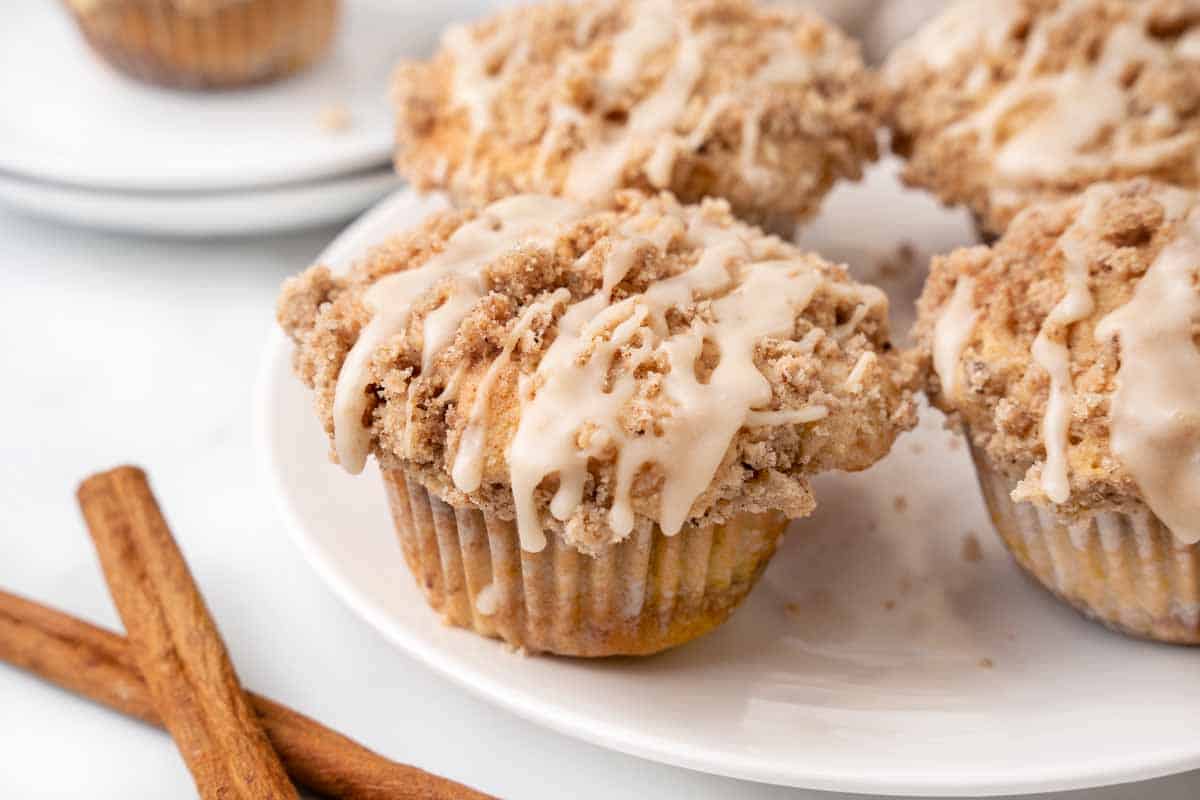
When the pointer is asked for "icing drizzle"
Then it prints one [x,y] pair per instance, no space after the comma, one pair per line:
[958,29]
[518,221]
[1068,112]
[646,136]
[587,396]
[1051,351]
[1155,410]
[572,408]
[951,333]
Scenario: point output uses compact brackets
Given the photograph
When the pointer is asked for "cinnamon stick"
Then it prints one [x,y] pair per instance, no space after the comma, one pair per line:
[97,664]
[176,645]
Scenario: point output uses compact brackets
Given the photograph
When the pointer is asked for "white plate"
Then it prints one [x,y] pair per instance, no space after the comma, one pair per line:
[71,119]
[289,207]
[916,670]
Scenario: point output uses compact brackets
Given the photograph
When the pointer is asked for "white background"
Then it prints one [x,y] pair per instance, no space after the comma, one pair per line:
[126,350]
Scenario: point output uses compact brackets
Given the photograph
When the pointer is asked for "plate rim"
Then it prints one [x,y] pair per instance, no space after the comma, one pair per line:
[1078,774]
[360,150]
[185,214]
[373,154]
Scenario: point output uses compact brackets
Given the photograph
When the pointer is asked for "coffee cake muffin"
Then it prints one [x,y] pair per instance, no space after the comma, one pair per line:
[764,107]
[1070,352]
[207,44]
[595,421]
[1000,103]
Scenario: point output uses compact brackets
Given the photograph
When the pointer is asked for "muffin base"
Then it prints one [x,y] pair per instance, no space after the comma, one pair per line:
[646,594]
[238,44]
[1125,570]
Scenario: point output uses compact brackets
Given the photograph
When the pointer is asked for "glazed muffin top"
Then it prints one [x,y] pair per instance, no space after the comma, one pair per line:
[1001,103]
[764,107]
[591,370]
[1070,349]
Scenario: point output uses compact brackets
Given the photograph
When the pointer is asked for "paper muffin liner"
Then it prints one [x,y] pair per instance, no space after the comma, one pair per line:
[645,594]
[1126,570]
[234,43]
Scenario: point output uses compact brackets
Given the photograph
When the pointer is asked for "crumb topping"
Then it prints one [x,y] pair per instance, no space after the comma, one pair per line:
[1000,103]
[594,370]
[1071,348]
[706,98]
[335,118]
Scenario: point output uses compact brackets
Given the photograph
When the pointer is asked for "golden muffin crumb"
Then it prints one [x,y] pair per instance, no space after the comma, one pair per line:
[546,349]
[765,108]
[1001,103]
[1084,316]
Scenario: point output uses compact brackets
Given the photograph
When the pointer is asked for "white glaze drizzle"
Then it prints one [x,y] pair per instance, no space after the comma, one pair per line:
[786,416]
[951,333]
[652,28]
[648,136]
[1077,105]
[467,471]
[854,381]
[1052,353]
[600,169]
[506,225]
[1155,410]
[785,64]
[441,324]
[572,408]
[962,27]
[477,77]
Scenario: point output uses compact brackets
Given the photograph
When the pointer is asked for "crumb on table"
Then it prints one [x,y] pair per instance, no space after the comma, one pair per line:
[972,552]
[900,261]
[335,118]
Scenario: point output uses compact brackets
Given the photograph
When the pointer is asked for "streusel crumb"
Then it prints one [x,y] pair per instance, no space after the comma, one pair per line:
[1060,272]
[628,289]
[998,104]
[764,107]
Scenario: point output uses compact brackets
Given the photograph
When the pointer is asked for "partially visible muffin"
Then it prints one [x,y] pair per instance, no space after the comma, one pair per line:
[594,422]
[207,44]
[1070,352]
[997,104]
[763,107]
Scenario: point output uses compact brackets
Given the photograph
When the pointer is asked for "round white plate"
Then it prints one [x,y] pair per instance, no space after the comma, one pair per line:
[70,118]
[882,652]
[281,208]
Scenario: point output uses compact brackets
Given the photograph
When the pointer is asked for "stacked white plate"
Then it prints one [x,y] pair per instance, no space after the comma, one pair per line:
[83,144]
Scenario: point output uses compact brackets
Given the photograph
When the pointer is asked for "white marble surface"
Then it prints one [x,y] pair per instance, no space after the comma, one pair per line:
[125,350]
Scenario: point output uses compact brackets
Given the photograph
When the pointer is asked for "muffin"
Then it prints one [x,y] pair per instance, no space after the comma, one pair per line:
[1069,350]
[594,422]
[764,107]
[207,44]
[998,104]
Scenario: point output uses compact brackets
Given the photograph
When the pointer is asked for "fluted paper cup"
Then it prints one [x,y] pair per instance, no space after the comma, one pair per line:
[232,43]
[1126,570]
[640,596]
